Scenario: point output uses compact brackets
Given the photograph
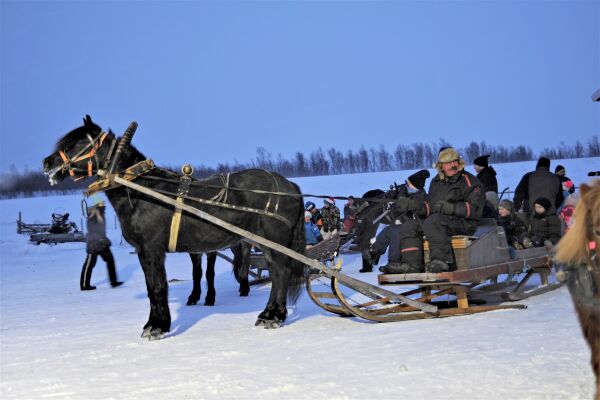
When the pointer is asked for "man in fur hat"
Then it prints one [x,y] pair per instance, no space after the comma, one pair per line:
[536,184]
[405,238]
[456,200]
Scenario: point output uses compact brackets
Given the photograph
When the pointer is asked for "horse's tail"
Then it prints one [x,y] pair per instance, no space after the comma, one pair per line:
[298,244]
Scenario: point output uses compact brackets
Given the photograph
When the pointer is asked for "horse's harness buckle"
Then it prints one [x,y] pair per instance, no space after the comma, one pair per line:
[185,182]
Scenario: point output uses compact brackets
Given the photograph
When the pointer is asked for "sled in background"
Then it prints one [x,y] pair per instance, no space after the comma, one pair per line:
[59,231]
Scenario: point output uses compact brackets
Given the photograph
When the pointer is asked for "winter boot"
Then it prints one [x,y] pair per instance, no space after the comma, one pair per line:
[116,284]
[527,243]
[89,287]
[398,268]
[437,266]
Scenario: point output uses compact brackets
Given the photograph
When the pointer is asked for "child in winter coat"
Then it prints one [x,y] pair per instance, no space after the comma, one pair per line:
[313,234]
[513,226]
[544,228]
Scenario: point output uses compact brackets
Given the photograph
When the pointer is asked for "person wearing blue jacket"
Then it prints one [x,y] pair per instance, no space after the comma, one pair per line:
[313,234]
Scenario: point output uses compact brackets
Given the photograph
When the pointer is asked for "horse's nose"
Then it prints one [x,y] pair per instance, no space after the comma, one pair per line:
[46,164]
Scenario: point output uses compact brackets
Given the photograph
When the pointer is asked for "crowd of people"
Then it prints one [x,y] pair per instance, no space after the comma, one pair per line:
[541,211]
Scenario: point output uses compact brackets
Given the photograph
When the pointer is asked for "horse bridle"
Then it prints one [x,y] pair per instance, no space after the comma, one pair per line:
[89,152]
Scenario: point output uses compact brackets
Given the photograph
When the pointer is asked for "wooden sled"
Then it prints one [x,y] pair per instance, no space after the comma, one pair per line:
[482,260]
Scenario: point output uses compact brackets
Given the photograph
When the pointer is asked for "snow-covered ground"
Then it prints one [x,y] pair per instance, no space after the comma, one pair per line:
[58,342]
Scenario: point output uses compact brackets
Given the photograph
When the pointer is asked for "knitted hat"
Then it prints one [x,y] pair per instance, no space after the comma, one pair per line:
[544,202]
[482,161]
[309,206]
[329,200]
[558,169]
[509,205]
[543,162]
[307,214]
[418,178]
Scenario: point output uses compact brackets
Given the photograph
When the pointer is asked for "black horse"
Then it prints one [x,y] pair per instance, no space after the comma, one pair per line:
[370,208]
[145,221]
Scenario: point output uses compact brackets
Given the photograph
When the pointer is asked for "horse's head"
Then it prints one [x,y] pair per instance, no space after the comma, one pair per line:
[77,153]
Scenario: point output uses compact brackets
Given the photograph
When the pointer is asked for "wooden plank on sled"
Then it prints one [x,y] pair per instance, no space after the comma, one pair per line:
[360,286]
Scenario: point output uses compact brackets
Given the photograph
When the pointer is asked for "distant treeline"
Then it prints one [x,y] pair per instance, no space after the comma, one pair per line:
[324,162]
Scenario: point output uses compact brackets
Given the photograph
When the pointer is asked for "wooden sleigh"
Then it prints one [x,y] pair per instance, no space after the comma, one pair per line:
[488,273]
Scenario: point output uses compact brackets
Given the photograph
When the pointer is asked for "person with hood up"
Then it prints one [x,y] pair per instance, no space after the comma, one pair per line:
[536,184]
[405,237]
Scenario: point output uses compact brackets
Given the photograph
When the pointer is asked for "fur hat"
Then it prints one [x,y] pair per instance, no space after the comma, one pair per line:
[558,169]
[309,206]
[544,202]
[448,154]
[543,162]
[418,178]
[329,200]
[509,205]
[307,214]
[482,161]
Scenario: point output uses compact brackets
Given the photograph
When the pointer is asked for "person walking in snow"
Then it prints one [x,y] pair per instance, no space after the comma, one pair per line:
[97,244]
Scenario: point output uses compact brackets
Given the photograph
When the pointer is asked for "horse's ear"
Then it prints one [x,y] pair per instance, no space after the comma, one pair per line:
[87,120]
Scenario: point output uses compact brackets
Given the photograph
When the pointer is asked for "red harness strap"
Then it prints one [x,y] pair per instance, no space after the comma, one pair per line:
[89,156]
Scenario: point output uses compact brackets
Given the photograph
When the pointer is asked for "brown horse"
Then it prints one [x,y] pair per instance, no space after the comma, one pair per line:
[579,249]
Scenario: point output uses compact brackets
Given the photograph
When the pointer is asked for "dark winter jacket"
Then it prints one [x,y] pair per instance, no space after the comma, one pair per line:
[463,190]
[513,226]
[408,206]
[331,218]
[564,179]
[96,225]
[487,177]
[536,184]
[544,227]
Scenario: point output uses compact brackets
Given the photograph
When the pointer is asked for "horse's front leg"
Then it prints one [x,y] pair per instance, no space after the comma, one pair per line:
[194,297]
[211,259]
[275,313]
[159,322]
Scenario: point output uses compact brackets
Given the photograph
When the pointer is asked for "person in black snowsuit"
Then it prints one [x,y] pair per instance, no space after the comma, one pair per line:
[456,200]
[405,237]
[544,227]
[536,184]
[97,245]
[561,173]
[486,174]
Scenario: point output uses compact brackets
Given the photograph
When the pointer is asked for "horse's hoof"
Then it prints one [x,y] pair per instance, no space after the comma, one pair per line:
[244,294]
[191,302]
[261,322]
[153,333]
[274,324]
[209,303]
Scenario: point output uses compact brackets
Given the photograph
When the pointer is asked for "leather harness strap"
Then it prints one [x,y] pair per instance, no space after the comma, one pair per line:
[184,188]
[129,174]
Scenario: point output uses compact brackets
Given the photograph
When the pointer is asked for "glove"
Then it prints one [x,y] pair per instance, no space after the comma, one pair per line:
[443,207]
[401,205]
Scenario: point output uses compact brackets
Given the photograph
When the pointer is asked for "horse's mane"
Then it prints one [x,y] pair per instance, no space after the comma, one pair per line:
[78,133]
[573,248]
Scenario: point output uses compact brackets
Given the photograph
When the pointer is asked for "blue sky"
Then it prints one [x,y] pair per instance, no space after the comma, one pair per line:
[209,82]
